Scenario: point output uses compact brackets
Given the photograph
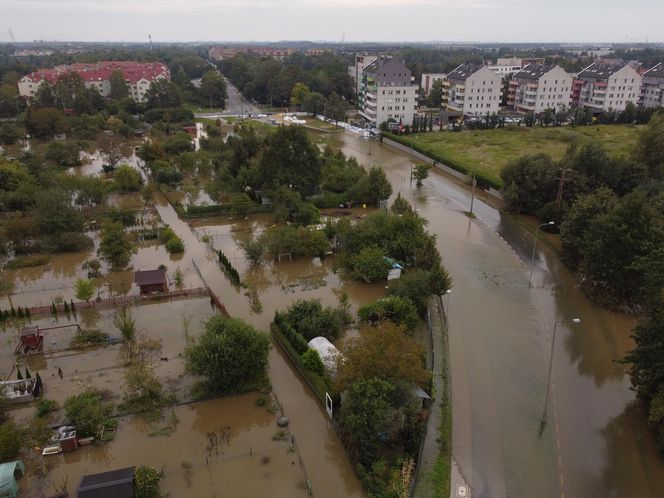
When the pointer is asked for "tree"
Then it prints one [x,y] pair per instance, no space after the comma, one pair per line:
[10,440]
[311,361]
[314,103]
[530,182]
[85,289]
[647,367]
[435,97]
[335,109]
[230,354]
[401,205]
[650,146]
[370,264]
[366,414]
[9,134]
[373,187]
[8,101]
[88,411]
[114,246]
[299,94]
[45,122]
[397,309]
[241,204]
[124,321]
[163,93]
[385,352]
[290,159]
[213,90]
[310,319]
[119,88]
[421,173]
[418,285]
[128,179]
[113,149]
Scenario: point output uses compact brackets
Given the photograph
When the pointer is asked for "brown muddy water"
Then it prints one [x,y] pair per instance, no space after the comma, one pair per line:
[247,460]
[596,442]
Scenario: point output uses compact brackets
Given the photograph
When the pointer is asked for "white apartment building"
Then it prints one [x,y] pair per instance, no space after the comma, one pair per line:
[138,76]
[609,86]
[474,90]
[652,87]
[355,71]
[387,92]
[538,87]
[428,79]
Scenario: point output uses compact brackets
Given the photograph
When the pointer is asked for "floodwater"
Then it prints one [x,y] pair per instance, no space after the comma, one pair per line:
[277,286]
[246,460]
[103,367]
[596,443]
[93,163]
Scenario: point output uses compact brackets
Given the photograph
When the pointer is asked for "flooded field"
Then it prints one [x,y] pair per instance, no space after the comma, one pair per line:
[247,457]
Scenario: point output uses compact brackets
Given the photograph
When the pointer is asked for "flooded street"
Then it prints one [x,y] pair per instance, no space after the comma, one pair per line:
[595,443]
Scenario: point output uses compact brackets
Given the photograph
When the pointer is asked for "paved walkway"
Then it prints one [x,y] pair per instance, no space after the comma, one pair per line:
[431,450]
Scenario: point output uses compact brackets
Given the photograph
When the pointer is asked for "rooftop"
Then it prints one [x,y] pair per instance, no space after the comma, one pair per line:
[656,71]
[463,71]
[149,277]
[112,484]
[100,71]
[600,70]
[534,71]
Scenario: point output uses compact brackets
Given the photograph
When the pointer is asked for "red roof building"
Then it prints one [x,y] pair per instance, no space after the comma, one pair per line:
[138,75]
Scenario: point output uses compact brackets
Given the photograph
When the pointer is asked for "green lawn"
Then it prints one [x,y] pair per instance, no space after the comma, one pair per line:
[490,150]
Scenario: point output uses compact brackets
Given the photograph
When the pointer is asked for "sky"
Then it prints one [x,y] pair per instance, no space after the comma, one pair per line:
[334,20]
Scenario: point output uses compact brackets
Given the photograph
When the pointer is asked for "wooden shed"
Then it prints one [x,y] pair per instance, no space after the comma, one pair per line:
[112,484]
[151,281]
[31,339]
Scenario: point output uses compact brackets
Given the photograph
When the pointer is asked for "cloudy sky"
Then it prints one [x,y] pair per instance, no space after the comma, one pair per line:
[332,20]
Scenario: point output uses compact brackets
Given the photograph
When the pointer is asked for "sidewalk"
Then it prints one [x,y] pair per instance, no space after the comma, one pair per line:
[433,474]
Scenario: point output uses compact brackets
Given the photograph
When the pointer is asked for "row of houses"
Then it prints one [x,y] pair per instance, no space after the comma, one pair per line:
[138,76]
[220,53]
[533,86]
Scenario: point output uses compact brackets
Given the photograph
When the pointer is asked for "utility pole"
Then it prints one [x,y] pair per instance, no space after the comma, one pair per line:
[561,186]
[472,194]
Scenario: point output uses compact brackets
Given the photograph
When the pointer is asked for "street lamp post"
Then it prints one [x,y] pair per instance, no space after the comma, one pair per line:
[574,321]
[532,258]
[447,293]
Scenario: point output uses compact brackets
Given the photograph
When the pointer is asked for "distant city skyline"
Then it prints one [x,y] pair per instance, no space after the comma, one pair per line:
[480,21]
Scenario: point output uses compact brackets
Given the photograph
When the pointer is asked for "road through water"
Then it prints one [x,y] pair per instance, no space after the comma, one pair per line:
[596,443]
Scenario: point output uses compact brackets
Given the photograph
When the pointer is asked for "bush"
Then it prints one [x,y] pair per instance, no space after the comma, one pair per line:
[397,309]
[231,354]
[311,361]
[88,411]
[174,245]
[10,440]
[310,319]
[369,264]
[91,337]
[146,482]
[46,407]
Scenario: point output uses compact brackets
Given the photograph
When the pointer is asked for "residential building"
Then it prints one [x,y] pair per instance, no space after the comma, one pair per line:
[138,75]
[428,79]
[506,66]
[538,87]
[652,88]
[474,90]
[609,86]
[355,71]
[387,92]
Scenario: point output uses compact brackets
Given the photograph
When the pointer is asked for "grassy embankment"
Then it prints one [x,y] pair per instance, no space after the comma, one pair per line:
[490,150]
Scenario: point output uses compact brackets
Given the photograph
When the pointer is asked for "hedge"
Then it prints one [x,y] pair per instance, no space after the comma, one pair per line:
[319,385]
[483,180]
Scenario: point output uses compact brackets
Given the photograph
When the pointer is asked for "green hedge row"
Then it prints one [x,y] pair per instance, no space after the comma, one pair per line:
[230,270]
[318,384]
[483,180]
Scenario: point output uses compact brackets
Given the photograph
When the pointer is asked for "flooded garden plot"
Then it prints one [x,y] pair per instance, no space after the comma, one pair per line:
[275,285]
[224,447]
[66,370]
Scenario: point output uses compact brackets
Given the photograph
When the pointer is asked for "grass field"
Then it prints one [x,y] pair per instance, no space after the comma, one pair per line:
[490,150]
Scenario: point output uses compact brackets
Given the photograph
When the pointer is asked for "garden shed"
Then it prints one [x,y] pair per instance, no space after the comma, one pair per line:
[112,484]
[9,473]
[31,338]
[151,281]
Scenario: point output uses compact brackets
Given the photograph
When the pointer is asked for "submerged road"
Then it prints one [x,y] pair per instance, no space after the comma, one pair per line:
[596,443]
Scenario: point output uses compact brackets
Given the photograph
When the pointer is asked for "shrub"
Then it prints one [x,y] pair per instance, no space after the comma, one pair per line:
[174,245]
[397,309]
[310,319]
[146,482]
[311,361]
[369,264]
[88,411]
[10,440]
[46,407]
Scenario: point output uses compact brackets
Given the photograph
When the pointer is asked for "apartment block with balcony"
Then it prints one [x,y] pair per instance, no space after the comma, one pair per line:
[538,87]
[474,90]
[355,71]
[609,86]
[652,87]
[387,92]
[428,79]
